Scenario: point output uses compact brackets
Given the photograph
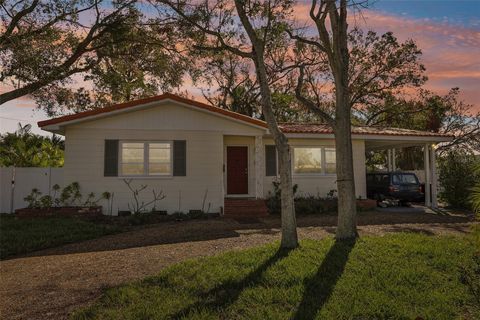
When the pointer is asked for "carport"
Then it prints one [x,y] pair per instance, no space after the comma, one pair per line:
[402,138]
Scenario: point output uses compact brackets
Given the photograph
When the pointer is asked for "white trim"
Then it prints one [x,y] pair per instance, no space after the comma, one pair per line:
[259,163]
[146,160]
[426,159]
[226,169]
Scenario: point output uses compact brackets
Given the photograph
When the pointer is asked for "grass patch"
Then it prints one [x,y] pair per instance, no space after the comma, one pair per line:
[397,276]
[19,236]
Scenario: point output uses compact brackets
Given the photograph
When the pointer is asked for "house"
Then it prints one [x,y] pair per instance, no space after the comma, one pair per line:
[200,155]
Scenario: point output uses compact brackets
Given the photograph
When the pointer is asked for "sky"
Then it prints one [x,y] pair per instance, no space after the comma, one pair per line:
[448,32]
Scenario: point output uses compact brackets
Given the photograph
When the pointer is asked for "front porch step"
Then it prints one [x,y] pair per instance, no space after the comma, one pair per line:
[245,208]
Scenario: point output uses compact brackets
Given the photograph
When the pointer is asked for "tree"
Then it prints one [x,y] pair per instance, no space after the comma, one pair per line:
[334,47]
[251,30]
[141,61]
[25,149]
[46,42]
[431,112]
[361,68]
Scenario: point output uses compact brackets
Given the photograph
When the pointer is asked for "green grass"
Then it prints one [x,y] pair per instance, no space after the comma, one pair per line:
[19,236]
[398,276]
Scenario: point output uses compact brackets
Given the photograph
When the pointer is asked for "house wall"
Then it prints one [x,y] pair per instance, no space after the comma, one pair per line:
[84,155]
[321,184]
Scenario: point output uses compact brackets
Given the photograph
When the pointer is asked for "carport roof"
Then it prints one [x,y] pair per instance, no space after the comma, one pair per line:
[360,130]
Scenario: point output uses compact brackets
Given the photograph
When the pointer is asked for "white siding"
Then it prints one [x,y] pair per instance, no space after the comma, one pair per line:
[84,160]
[84,154]
[171,116]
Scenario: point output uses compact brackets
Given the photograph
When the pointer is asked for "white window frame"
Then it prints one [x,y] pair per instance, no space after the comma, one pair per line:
[324,161]
[146,160]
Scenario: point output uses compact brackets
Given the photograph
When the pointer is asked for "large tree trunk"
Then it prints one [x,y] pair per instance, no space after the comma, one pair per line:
[347,209]
[339,63]
[289,223]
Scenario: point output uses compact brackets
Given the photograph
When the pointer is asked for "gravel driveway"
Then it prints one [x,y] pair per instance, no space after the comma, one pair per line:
[49,284]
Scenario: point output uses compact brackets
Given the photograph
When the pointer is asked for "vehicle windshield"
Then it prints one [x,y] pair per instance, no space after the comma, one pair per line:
[404,179]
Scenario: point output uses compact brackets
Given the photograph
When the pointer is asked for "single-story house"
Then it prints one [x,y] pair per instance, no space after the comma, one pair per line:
[200,155]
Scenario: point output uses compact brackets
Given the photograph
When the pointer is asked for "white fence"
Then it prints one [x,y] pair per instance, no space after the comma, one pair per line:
[17,183]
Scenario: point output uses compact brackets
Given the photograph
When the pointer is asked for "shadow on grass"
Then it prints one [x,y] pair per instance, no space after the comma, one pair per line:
[319,287]
[224,295]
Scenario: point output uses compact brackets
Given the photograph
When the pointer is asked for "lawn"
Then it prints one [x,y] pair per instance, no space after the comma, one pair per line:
[397,276]
[19,236]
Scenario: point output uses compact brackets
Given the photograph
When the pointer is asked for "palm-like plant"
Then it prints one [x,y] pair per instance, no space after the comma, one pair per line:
[25,149]
[475,195]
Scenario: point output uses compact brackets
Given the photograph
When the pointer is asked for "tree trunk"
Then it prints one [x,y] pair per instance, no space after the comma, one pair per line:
[289,223]
[347,208]
[339,63]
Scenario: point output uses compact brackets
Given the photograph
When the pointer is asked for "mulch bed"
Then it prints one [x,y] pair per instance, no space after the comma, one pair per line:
[50,284]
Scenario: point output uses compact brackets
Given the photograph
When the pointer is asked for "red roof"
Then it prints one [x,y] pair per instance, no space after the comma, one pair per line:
[321,128]
[165,96]
[285,127]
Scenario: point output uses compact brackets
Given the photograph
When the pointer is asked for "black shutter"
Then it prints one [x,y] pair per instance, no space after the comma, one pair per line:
[110,167]
[270,160]
[179,158]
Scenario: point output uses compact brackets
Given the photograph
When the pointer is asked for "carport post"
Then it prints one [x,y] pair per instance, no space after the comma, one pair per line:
[426,161]
[389,160]
[434,177]
[394,161]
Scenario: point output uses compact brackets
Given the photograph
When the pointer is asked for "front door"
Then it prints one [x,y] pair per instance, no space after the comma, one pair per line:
[237,170]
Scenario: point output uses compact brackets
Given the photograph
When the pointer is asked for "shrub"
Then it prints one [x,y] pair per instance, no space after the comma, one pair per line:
[474,197]
[457,177]
[310,204]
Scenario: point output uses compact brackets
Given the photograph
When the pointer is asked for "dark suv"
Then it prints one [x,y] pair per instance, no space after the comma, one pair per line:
[403,186]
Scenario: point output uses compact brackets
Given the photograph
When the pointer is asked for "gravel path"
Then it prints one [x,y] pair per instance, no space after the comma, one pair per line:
[49,284]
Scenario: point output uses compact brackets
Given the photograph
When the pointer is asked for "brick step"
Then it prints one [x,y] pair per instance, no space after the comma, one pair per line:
[243,211]
[245,208]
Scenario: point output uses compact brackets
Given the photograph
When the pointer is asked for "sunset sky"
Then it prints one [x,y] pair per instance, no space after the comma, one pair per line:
[448,32]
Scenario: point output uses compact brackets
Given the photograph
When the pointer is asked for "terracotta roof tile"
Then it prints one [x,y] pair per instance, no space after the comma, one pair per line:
[375,130]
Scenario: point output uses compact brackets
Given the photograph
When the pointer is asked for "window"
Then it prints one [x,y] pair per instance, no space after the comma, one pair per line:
[330,162]
[314,160]
[404,179]
[146,158]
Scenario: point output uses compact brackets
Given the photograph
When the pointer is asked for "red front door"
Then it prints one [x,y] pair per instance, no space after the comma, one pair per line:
[237,170]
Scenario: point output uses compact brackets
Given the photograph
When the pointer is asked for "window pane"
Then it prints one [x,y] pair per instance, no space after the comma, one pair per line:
[159,145]
[133,145]
[330,162]
[132,155]
[404,179]
[132,169]
[307,160]
[159,155]
[159,168]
